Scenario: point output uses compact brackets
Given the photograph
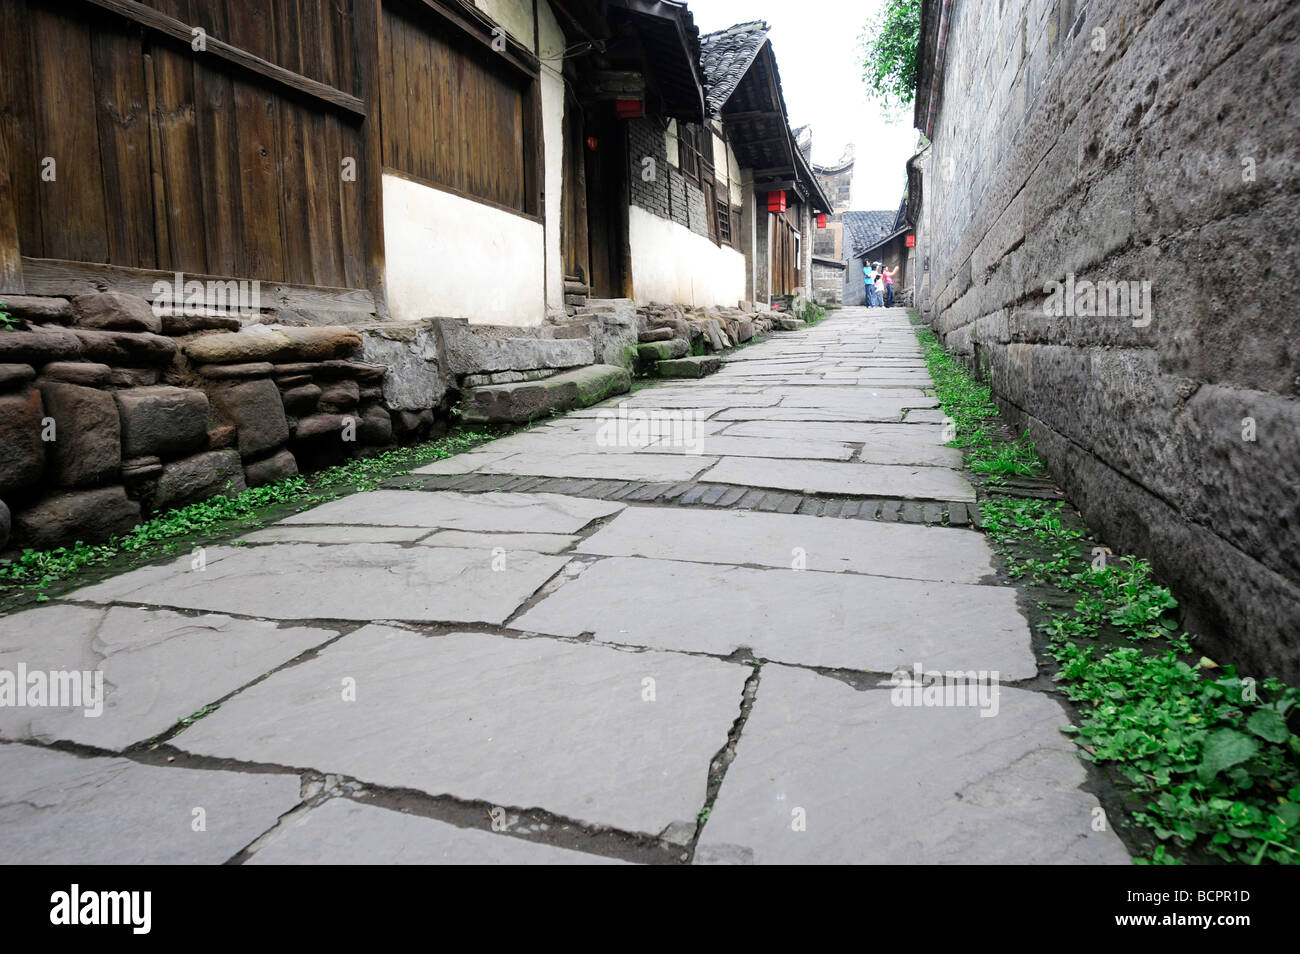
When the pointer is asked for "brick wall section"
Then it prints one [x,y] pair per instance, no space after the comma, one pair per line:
[1138,141]
[646,139]
[667,194]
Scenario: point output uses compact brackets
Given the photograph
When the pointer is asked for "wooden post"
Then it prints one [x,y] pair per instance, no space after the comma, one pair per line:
[11,267]
[368,29]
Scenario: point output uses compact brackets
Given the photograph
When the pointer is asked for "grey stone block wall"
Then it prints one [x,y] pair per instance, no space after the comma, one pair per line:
[1139,141]
[828,283]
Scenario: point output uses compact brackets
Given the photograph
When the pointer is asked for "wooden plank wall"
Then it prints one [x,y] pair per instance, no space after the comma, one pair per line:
[172,159]
[785,268]
[455,114]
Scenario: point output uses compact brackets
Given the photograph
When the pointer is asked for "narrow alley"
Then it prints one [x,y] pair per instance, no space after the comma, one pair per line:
[698,644]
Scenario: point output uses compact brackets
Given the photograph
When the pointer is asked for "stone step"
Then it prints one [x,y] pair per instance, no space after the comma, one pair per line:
[529,400]
[696,366]
[651,351]
[658,334]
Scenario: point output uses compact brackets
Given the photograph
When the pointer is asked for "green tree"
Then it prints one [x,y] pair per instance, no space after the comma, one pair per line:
[889,43]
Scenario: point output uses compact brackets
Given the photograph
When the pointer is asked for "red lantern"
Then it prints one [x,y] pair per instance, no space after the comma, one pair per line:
[592,143]
[821,220]
[776,201]
[911,241]
[629,108]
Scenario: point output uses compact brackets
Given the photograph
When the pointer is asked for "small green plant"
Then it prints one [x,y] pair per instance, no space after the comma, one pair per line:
[808,310]
[7,321]
[1212,757]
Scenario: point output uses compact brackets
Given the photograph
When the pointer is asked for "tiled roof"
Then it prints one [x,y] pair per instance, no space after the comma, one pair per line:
[864,229]
[726,56]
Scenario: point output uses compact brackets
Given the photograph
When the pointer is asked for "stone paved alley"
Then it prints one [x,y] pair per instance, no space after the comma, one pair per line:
[556,649]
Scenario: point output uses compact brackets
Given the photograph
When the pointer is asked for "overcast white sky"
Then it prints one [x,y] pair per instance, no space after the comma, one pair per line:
[816,46]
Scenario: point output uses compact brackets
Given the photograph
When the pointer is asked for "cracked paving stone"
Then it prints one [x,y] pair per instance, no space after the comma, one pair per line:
[57,808]
[323,533]
[771,539]
[466,463]
[723,445]
[363,581]
[647,466]
[867,410]
[571,728]
[831,477]
[825,774]
[833,620]
[509,542]
[157,667]
[345,832]
[449,510]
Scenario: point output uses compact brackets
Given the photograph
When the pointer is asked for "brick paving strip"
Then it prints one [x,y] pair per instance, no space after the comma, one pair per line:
[578,645]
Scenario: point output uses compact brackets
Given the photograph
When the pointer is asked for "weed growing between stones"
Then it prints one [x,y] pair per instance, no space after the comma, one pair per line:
[1211,758]
[968,404]
[809,311]
[34,571]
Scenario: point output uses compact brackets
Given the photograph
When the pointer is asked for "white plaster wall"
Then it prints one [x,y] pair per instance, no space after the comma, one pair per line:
[456,258]
[515,16]
[670,263]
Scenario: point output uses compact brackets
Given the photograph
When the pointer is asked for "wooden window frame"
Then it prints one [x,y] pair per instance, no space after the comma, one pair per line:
[722,209]
[688,151]
[470,22]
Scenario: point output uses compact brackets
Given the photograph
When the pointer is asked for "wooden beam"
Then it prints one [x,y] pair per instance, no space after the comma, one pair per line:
[48,276]
[476,26]
[151,19]
[367,32]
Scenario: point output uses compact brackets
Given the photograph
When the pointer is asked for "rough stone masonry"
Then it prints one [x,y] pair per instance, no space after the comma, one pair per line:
[1143,141]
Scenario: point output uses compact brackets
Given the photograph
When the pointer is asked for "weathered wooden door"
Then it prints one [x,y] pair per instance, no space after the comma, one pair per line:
[573,229]
[606,167]
[213,137]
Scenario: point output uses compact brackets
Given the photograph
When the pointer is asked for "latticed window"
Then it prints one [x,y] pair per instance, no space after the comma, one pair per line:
[724,220]
[694,153]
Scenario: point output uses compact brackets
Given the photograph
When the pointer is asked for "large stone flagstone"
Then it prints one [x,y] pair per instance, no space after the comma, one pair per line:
[58,809]
[780,540]
[834,620]
[868,409]
[571,728]
[716,445]
[653,467]
[448,510]
[345,832]
[908,481]
[825,774]
[506,542]
[883,443]
[363,581]
[465,463]
[838,396]
[157,667]
[323,533]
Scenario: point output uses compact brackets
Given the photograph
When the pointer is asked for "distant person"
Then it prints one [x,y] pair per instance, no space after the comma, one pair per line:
[869,276]
[889,286]
[880,285]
